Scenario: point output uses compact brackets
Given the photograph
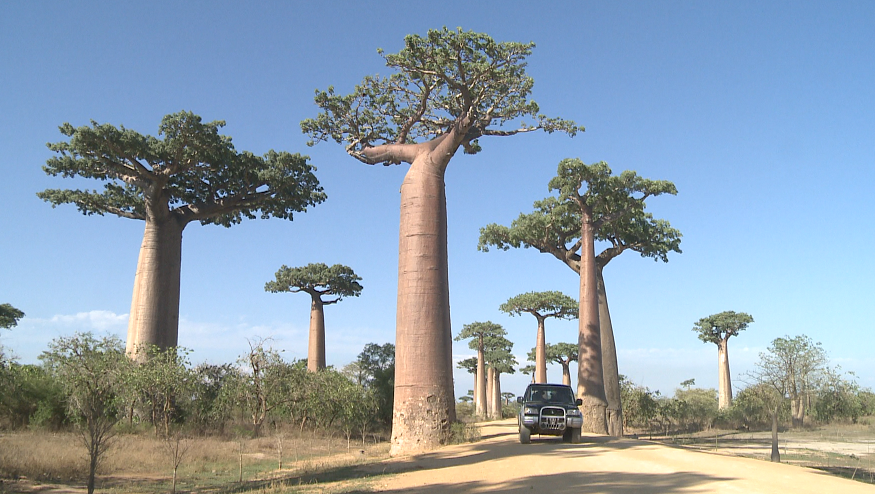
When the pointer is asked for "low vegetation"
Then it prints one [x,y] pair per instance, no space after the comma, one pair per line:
[164,424]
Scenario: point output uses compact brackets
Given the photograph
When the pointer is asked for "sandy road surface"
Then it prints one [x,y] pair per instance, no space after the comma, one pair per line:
[499,463]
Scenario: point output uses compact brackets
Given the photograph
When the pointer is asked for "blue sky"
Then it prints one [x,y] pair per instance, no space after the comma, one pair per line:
[762,114]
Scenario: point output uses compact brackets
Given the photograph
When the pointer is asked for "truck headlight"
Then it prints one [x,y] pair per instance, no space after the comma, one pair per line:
[530,411]
[573,413]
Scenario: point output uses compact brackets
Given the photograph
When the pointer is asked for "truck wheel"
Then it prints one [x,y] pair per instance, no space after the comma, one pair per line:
[525,435]
[566,436]
[575,436]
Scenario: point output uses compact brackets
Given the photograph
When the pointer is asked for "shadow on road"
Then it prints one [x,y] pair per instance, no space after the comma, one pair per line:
[499,442]
[577,482]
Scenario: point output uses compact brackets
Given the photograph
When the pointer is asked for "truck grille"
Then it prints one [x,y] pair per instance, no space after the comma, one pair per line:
[552,418]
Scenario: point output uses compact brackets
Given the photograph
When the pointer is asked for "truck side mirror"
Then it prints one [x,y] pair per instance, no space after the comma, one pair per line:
[578,402]
[519,399]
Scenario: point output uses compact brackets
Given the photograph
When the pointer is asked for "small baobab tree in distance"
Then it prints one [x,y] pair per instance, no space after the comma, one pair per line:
[478,333]
[470,365]
[542,305]
[317,280]
[529,370]
[563,354]
[193,174]
[717,329]
[449,89]
[499,360]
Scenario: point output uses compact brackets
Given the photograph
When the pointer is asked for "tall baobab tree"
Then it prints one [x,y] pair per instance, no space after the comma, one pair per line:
[554,228]
[589,199]
[542,305]
[717,329]
[450,89]
[193,174]
[479,333]
[317,280]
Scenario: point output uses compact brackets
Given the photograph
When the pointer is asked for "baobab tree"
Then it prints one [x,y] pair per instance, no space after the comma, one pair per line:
[450,89]
[595,198]
[470,365]
[478,333]
[554,228]
[317,280]
[542,305]
[499,360]
[562,354]
[717,329]
[529,370]
[192,174]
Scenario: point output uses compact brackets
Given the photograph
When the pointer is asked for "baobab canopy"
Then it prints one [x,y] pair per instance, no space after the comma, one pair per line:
[192,174]
[443,78]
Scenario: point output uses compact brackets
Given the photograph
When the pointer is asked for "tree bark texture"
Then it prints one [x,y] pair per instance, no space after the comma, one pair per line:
[590,378]
[725,383]
[776,454]
[474,391]
[481,389]
[424,405]
[496,395]
[490,383]
[566,374]
[541,353]
[610,369]
[316,346]
[154,318]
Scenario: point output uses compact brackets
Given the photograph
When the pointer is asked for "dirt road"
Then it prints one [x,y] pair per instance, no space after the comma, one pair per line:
[499,463]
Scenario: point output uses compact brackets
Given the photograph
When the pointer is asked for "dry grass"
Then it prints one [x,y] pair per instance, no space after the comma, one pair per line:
[846,450]
[141,463]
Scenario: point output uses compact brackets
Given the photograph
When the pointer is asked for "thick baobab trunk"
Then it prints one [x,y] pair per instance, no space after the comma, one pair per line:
[490,384]
[590,379]
[725,383]
[154,318]
[610,369]
[496,394]
[474,392]
[541,353]
[776,455]
[566,373]
[316,347]
[424,405]
[481,388]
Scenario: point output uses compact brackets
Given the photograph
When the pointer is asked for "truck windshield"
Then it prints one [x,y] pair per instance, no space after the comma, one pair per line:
[551,395]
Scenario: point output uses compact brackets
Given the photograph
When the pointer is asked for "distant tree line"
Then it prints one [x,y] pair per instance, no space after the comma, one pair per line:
[791,381]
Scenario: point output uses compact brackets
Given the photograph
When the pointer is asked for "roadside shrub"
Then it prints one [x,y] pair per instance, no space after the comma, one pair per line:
[461,432]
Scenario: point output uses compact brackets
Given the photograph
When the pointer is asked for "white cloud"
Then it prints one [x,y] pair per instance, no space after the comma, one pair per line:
[99,320]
